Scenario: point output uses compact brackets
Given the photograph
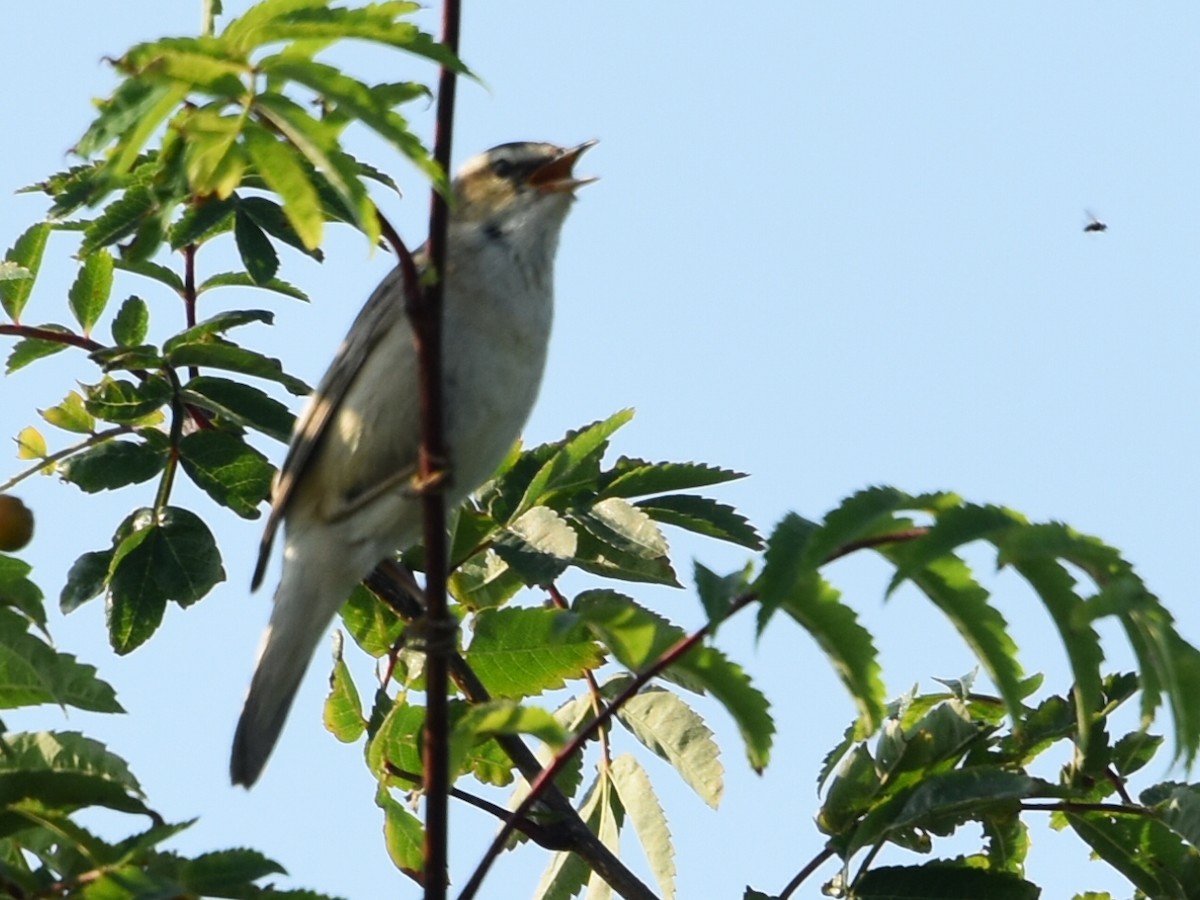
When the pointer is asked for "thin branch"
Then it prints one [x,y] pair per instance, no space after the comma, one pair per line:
[426,317]
[813,864]
[98,438]
[527,827]
[879,540]
[67,338]
[189,294]
[177,416]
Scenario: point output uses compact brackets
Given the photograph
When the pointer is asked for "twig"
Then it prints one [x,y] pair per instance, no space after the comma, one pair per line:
[813,864]
[426,317]
[67,338]
[98,438]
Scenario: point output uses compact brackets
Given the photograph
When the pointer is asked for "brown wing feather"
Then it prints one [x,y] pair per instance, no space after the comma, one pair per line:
[369,326]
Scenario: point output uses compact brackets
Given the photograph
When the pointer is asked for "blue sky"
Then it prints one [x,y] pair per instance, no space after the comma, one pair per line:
[833,245]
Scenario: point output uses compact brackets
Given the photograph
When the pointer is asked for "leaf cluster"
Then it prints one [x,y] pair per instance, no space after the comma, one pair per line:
[48,777]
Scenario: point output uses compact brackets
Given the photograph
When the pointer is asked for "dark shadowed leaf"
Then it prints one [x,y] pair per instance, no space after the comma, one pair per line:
[131,323]
[167,555]
[258,256]
[227,469]
[113,464]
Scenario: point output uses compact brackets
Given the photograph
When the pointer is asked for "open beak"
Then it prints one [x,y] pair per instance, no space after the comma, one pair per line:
[556,176]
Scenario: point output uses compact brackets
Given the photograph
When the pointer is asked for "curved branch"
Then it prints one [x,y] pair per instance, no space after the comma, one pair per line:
[98,438]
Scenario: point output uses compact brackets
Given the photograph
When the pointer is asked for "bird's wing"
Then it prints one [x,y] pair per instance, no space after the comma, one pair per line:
[372,322]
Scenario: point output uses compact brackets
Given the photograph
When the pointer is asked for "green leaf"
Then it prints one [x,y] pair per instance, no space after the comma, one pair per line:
[282,168]
[1055,586]
[86,579]
[18,592]
[32,673]
[718,593]
[519,652]
[942,881]
[228,469]
[258,256]
[403,835]
[343,709]
[220,323]
[619,524]
[397,740]
[203,219]
[350,95]
[65,770]
[227,873]
[816,606]
[638,638]
[1135,848]
[139,359]
[131,141]
[376,22]
[374,625]
[317,141]
[158,273]
[200,63]
[131,103]
[242,404]
[26,351]
[270,216]
[131,323]
[31,444]
[637,477]
[948,796]
[70,415]
[785,564]
[213,162]
[89,293]
[119,219]
[703,516]
[233,358]
[27,253]
[865,514]
[242,279]
[609,561]
[167,555]
[485,580]
[117,400]
[479,721]
[948,582]
[638,797]
[572,463]
[114,464]
[601,811]
[537,546]
[670,728]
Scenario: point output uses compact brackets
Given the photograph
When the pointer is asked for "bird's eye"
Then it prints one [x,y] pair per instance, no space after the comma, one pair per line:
[503,168]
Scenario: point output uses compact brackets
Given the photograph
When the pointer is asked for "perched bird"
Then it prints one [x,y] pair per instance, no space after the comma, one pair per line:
[345,493]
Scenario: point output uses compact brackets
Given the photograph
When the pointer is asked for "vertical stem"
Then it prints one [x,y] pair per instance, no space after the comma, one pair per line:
[427,325]
[189,293]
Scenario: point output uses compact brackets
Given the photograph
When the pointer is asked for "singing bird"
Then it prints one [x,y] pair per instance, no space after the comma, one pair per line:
[345,493]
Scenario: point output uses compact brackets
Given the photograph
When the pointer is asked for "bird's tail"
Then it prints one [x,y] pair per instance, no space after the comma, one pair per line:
[304,604]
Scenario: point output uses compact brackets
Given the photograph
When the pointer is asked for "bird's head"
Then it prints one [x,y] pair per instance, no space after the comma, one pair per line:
[522,182]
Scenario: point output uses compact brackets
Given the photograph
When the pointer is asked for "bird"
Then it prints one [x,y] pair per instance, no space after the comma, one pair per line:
[345,494]
[1094,224]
